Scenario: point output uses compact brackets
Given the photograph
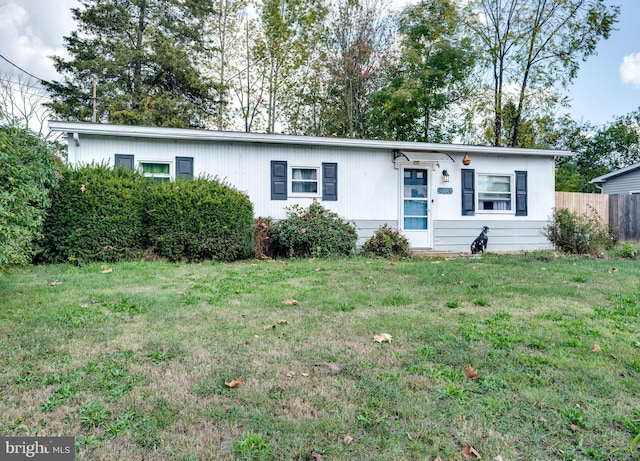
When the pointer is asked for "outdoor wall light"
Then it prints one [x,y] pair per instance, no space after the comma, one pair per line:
[445,176]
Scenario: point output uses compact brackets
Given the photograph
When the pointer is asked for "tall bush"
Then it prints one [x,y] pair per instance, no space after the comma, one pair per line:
[95,216]
[196,219]
[313,231]
[579,233]
[27,172]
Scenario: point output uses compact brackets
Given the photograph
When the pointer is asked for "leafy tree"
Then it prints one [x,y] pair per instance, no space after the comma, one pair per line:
[357,51]
[532,45]
[28,173]
[598,151]
[146,58]
[224,40]
[434,64]
[290,31]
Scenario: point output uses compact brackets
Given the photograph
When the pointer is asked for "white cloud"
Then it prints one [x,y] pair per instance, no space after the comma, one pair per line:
[630,69]
[31,31]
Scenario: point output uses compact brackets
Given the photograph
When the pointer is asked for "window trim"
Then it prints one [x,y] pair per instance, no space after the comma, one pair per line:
[478,192]
[318,181]
[153,176]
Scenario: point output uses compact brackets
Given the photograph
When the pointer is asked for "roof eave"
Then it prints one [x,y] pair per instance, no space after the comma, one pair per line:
[230,136]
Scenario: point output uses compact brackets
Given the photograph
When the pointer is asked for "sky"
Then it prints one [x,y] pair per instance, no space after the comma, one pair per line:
[608,84]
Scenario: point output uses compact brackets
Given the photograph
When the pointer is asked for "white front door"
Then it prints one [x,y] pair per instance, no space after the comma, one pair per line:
[414,221]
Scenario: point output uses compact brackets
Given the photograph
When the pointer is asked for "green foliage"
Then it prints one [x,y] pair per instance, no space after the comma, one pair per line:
[95,216]
[387,242]
[146,56]
[429,78]
[197,219]
[251,446]
[27,174]
[313,231]
[579,234]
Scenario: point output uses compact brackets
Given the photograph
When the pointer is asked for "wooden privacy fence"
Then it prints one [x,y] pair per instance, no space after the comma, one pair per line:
[620,211]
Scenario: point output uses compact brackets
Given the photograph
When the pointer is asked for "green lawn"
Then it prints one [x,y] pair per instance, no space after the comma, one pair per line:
[133,362]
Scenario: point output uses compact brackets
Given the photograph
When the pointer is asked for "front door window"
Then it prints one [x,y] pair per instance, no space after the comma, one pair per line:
[416,199]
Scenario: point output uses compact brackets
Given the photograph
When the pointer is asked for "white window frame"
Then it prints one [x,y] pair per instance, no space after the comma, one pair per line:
[511,209]
[168,176]
[318,181]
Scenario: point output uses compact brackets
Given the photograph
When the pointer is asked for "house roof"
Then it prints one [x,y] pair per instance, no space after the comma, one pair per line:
[613,174]
[77,128]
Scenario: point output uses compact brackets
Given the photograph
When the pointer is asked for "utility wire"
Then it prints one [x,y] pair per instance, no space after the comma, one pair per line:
[21,69]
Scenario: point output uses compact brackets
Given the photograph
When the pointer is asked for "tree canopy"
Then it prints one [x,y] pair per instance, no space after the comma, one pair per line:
[145,59]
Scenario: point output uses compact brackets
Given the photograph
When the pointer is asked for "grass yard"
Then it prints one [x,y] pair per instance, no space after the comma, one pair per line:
[132,359]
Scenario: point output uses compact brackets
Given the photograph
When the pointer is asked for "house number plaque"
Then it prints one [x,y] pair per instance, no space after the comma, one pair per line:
[445,190]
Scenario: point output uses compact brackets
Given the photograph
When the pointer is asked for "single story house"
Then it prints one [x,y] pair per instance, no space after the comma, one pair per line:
[439,195]
[623,181]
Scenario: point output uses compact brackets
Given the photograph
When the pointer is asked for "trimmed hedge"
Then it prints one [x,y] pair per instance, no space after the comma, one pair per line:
[104,214]
[197,219]
[387,243]
[95,216]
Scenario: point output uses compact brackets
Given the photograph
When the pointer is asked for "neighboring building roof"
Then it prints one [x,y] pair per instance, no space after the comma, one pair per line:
[232,136]
[613,174]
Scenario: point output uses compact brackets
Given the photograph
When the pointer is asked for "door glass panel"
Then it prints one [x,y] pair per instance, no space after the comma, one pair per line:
[415,223]
[415,208]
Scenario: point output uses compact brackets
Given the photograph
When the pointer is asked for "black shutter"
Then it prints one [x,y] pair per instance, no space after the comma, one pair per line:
[330,181]
[521,193]
[278,180]
[124,160]
[184,167]
[468,192]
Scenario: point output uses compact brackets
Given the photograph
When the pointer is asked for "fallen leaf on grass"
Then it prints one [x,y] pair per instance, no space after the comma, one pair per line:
[348,439]
[55,282]
[382,338]
[291,374]
[469,452]
[469,372]
[596,348]
[82,188]
[612,270]
[460,282]
[106,271]
[290,302]
[236,382]
[282,322]
[269,327]
[316,456]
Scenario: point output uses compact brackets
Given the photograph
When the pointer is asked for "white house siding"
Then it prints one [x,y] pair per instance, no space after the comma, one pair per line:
[369,182]
[505,235]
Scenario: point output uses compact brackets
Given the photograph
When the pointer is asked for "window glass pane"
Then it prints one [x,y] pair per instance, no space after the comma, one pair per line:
[305,173]
[302,186]
[491,183]
[415,191]
[415,208]
[415,223]
[155,168]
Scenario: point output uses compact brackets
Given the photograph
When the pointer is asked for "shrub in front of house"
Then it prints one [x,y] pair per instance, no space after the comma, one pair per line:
[198,219]
[313,232]
[28,172]
[262,240]
[95,215]
[387,243]
[582,234]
